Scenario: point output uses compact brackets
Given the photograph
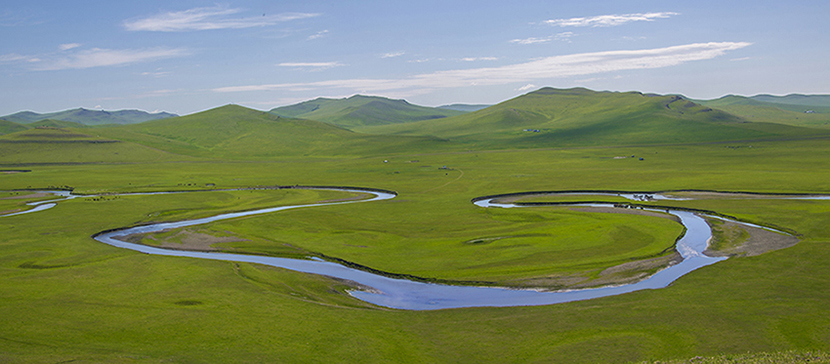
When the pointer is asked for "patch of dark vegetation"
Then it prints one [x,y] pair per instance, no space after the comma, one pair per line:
[33,265]
[480,241]
[58,141]
[188,303]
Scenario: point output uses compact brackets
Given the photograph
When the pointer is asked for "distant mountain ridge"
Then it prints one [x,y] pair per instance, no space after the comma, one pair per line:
[358,111]
[88,117]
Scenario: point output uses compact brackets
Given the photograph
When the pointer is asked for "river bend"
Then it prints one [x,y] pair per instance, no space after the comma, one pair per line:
[412,295]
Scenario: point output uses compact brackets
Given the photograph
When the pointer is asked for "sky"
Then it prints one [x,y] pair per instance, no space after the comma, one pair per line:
[186,56]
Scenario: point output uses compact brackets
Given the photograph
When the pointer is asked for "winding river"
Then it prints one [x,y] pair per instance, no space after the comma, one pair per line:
[411,295]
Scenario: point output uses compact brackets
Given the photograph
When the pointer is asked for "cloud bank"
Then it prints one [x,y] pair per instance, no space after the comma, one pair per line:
[545,68]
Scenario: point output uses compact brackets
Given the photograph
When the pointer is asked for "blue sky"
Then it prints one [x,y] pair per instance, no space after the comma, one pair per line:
[188,56]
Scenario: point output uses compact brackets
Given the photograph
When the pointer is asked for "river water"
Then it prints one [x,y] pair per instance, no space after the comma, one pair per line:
[411,295]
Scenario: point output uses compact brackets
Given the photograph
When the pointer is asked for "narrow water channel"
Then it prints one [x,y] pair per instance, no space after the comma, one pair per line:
[411,295]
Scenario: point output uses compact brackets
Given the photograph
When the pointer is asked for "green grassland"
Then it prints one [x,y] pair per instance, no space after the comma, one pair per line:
[66,297]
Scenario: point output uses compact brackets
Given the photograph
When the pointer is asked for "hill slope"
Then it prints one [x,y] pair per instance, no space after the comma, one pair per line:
[7,127]
[59,145]
[581,117]
[89,117]
[752,109]
[358,110]
[796,99]
[236,132]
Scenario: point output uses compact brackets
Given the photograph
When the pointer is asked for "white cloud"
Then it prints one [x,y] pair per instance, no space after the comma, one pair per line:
[531,40]
[97,57]
[208,18]
[473,59]
[526,87]
[739,59]
[564,36]
[311,64]
[319,34]
[540,69]
[392,54]
[157,73]
[68,46]
[608,20]
[13,57]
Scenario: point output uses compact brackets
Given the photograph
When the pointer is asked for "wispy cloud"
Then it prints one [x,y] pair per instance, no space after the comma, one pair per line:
[97,57]
[317,35]
[68,46]
[157,73]
[473,59]
[540,69]
[207,18]
[608,20]
[310,64]
[392,54]
[564,36]
[739,59]
[14,57]
[10,18]
[531,40]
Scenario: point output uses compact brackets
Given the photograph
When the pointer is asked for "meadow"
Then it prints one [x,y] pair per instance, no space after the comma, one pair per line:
[66,297]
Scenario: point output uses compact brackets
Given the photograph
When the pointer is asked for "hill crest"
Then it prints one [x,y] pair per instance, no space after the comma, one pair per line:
[360,110]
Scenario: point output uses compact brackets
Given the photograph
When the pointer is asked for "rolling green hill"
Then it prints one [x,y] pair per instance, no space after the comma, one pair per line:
[358,110]
[236,132]
[796,99]
[51,123]
[752,109]
[580,117]
[7,127]
[61,145]
[89,117]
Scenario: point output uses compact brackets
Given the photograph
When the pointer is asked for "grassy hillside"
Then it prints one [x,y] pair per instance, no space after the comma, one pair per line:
[89,117]
[51,123]
[752,109]
[796,99]
[235,132]
[358,110]
[53,145]
[580,117]
[7,127]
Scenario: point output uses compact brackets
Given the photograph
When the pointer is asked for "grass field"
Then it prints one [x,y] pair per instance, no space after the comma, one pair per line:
[66,297]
